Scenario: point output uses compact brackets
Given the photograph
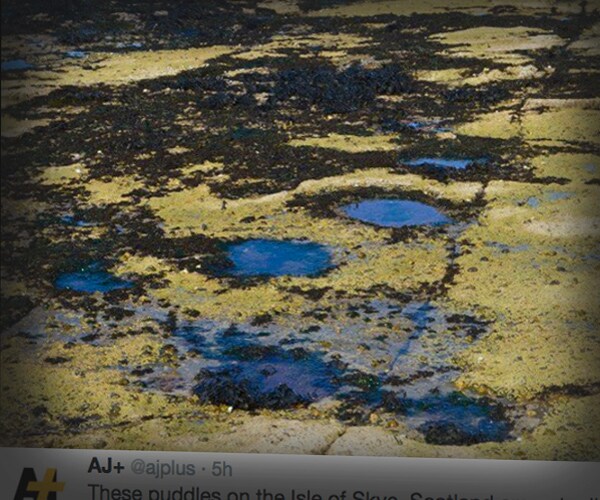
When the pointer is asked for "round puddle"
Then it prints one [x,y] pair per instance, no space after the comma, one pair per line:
[91,279]
[263,257]
[395,213]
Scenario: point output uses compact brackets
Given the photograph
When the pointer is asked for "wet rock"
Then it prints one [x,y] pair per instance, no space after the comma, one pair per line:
[217,101]
[282,397]
[56,360]
[447,433]
[252,352]
[365,381]
[14,308]
[393,402]
[339,91]
[262,319]
[223,388]
[139,372]
[219,389]
[490,95]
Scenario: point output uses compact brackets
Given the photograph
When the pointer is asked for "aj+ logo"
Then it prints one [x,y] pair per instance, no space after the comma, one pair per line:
[30,487]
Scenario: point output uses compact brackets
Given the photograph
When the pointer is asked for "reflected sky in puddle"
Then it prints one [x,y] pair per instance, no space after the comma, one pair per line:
[558,195]
[15,65]
[262,257]
[395,213]
[458,419]
[409,372]
[90,279]
[430,126]
[392,358]
[265,376]
[246,369]
[72,220]
[456,163]
[76,54]
[535,201]
[427,126]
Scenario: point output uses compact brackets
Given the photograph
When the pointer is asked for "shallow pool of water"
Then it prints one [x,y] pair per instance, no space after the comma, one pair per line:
[428,126]
[457,163]
[458,419]
[268,367]
[262,257]
[76,54]
[90,279]
[15,65]
[72,220]
[244,370]
[258,376]
[559,195]
[395,213]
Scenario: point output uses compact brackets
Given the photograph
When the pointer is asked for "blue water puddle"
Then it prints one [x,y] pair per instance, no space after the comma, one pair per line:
[535,202]
[237,369]
[451,417]
[455,418]
[427,126]
[418,383]
[421,314]
[267,370]
[71,220]
[130,45]
[433,126]
[15,65]
[252,367]
[395,213]
[75,54]
[558,195]
[91,279]
[263,257]
[456,163]
[426,398]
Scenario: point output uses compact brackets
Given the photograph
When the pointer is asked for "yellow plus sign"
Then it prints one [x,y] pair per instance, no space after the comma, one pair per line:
[47,485]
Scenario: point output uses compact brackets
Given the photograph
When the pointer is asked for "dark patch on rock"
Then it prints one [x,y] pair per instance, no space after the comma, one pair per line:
[339,91]
[222,388]
[447,433]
